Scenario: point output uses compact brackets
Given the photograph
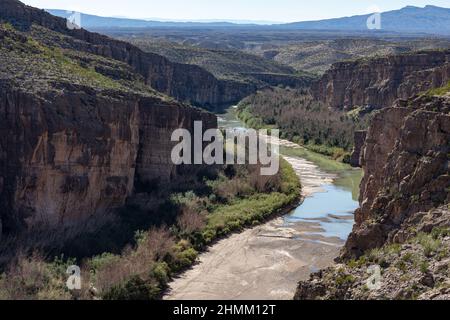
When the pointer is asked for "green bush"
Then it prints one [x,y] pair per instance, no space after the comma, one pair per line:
[161,273]
[134,289]
[345,279]
[184,259]
[429,244]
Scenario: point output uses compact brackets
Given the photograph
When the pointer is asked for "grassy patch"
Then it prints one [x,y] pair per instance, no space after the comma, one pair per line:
[430,244]
[344,279]
[35,65]
[440,91]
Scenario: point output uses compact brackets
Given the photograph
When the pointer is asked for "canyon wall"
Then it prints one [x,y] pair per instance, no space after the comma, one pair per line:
[406,169]
[378,82]
[77,154]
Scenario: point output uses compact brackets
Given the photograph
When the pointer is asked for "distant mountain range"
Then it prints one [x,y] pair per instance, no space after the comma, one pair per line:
[430,19]
[89,21]
[410,19]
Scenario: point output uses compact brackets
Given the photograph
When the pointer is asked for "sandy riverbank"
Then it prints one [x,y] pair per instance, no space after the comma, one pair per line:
[264,262]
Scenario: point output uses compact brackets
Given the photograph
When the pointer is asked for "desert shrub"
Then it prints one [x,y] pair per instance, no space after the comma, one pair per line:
[106,258]
[226,189]
[394,249]
[242,181]
[112,274]
[191,221]
[344,279]
[401,265]
[262,183]
[135,288]
[161,273]
[429,244]
[424,266]
[183,259]
[208,236]
[440,232]
[191,212]
[362,261]
[31,277]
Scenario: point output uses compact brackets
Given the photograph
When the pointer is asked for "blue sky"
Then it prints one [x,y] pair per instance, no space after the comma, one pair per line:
[259,10]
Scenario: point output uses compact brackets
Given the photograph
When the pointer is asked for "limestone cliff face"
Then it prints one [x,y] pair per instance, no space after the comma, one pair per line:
[406,169]
[181,81]
[77,154]
[378,82]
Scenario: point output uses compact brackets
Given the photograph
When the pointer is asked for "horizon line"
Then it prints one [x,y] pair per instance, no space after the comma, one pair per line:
[229,20]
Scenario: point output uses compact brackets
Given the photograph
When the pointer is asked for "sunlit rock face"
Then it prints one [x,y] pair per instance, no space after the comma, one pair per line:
[406,169]
[404,199]
[378,82]
[77,155]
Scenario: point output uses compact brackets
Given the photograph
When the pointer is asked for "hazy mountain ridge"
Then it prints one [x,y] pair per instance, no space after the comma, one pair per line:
[410,19]
[94,21]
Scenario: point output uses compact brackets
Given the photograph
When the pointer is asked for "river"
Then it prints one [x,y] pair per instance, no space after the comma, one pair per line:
[267,261]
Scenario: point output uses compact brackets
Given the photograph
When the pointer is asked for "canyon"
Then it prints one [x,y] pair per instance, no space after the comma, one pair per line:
[265,262]
[402,222]
[75,145]
[403,209]
[405,169]
[85,131]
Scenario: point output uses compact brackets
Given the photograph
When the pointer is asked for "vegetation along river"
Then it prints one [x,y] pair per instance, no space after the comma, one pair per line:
[267,261]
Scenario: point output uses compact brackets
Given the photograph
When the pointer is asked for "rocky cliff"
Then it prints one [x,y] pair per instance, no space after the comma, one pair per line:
[378,82]
[79,133]
[403,223]
[184,82]
[67,157]
[406,168]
